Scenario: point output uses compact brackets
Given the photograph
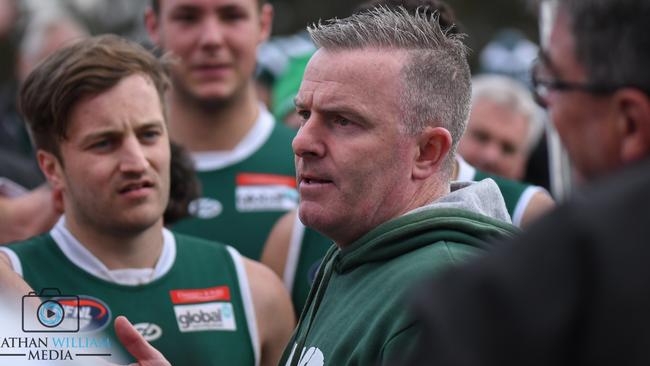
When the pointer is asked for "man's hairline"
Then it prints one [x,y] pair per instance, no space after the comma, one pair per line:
[84,98]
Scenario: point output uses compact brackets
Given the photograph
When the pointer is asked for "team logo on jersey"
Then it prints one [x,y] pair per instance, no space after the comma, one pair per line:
[149,331]
[94,315]
[203,309]
[265,192]
[205,208]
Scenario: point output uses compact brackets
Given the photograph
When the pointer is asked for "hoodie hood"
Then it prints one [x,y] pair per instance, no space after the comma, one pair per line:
[472,213]
[483,197]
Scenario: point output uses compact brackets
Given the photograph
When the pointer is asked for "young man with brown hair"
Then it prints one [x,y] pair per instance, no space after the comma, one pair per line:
[96,112]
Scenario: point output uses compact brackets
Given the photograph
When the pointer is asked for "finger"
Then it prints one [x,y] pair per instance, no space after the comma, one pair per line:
[134,343]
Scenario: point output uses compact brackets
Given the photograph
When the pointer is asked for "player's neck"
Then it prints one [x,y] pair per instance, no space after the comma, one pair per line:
[219,128]
[118,249]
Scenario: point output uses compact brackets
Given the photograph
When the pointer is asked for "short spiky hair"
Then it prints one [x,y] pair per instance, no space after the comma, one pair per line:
[88,67]
[436,82]
[446,15]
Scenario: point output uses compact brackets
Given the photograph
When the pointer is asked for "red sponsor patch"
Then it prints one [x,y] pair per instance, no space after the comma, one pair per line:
[193,296]
[252,179]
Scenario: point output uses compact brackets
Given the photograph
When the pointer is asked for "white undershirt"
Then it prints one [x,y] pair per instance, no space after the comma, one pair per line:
[254,139]
[84,259]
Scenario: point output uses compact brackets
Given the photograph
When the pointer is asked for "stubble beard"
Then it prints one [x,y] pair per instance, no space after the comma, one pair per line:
[207,105]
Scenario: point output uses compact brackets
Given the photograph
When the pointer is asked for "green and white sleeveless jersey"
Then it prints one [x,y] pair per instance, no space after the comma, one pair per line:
[245,190]
[516,194]
[195,306]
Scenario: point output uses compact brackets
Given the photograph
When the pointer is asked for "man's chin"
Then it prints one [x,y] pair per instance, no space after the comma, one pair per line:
[138,222]
[212,99]
[206,95]
[315,217]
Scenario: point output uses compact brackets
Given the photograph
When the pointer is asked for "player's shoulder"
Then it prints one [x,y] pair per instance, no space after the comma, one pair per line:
[192,243]
[30,244]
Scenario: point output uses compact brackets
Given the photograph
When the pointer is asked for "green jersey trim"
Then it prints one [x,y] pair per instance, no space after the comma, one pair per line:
[247,299]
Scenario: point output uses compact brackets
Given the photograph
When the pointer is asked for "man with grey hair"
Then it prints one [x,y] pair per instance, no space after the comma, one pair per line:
[373,162]
[504,127]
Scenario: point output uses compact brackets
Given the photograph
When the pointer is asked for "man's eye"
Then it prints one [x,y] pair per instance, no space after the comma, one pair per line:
[509,149]
[481,136]
[342,121]
[150,136]
[304,115]
[102,144]
[233,15]
[185,17]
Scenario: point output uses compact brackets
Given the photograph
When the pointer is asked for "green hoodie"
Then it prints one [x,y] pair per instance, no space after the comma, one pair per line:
[356,313]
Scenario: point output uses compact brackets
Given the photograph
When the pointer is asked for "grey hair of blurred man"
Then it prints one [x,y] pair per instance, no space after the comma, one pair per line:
[513,95]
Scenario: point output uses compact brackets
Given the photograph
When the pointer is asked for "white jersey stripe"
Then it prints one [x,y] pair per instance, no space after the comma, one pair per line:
[15,261]
[293,254]
[247,299]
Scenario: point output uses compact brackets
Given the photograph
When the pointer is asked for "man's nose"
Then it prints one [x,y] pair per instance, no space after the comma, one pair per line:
[492,153]
[133,157]
[309,141]
[211,33]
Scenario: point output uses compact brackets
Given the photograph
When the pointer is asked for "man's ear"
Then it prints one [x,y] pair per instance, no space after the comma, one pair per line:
[634,111]
[153,25]
[266,21]
[51,168]
[433,148]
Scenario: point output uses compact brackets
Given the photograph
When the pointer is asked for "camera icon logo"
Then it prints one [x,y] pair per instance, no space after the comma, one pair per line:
[50,313]
[54,313]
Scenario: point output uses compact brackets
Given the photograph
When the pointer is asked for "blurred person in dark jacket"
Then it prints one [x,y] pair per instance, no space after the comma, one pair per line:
[575,289]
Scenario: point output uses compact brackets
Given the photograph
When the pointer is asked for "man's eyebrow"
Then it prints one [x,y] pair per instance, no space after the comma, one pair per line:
[298,103]
[112,131]
[185,8]
[108,132]
[150,124]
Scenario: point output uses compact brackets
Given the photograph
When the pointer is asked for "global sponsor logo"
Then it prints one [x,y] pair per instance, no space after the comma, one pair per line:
[215,316]
[205,208]
[94,315]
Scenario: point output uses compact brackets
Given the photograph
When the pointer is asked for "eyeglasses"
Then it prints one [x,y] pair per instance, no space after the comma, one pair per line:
[543,85]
